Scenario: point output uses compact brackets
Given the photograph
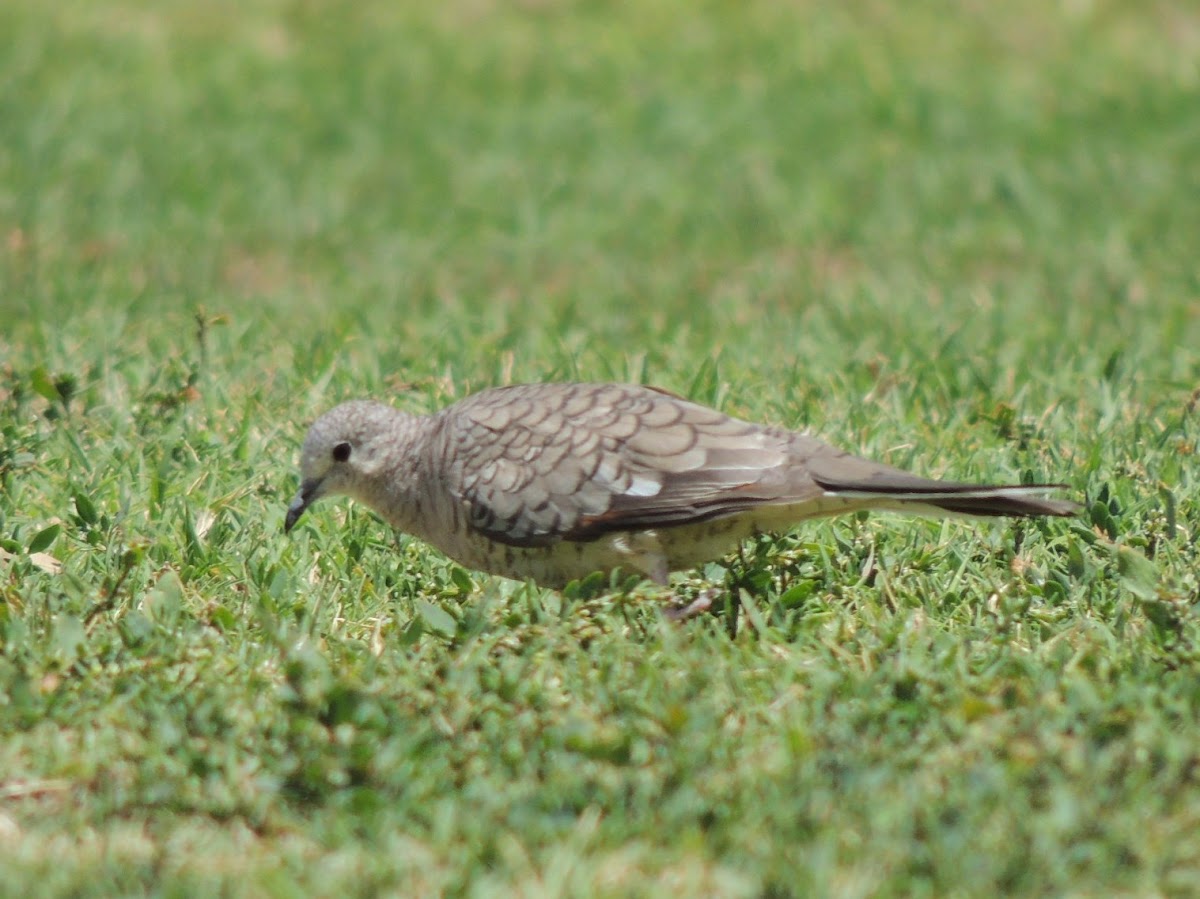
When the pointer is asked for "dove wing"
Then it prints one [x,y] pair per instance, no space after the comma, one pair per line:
[535,464]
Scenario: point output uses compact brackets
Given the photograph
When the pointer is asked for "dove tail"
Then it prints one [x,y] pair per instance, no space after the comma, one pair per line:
[1023,500]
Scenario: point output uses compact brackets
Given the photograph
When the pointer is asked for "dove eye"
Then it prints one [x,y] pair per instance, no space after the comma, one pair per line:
[341,452]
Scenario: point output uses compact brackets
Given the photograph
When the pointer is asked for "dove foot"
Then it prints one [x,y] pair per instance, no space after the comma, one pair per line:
[698,606]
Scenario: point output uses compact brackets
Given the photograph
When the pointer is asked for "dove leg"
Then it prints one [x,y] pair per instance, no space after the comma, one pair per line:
[698,606]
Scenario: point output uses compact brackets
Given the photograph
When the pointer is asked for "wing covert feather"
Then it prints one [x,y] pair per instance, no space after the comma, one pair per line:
[539,463]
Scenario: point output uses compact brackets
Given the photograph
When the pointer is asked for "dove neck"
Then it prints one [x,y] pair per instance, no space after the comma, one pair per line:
[393,487]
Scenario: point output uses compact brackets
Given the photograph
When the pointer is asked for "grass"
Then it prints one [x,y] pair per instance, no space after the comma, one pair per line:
[958,237]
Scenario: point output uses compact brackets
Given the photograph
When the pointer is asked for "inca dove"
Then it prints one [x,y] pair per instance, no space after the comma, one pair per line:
[555,481]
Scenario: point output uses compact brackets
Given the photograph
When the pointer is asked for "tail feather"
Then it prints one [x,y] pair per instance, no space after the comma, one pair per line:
[1018,500]
[1002,503]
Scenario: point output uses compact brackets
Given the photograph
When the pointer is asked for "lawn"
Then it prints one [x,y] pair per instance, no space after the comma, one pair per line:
[957,237]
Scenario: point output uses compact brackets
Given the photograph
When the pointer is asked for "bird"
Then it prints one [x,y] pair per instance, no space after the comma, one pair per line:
[551,482]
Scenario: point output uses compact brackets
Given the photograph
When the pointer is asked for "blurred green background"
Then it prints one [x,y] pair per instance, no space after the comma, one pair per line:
[960,237]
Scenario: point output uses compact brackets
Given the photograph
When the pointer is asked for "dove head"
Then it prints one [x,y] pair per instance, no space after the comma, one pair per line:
[344,453]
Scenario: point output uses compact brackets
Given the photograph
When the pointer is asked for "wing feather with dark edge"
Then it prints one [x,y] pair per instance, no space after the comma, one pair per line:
[538,463]
[534,464]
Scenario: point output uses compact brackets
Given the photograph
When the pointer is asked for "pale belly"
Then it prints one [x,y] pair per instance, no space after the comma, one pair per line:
[653,553]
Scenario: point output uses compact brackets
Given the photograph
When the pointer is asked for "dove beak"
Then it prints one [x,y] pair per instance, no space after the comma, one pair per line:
[310,492]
